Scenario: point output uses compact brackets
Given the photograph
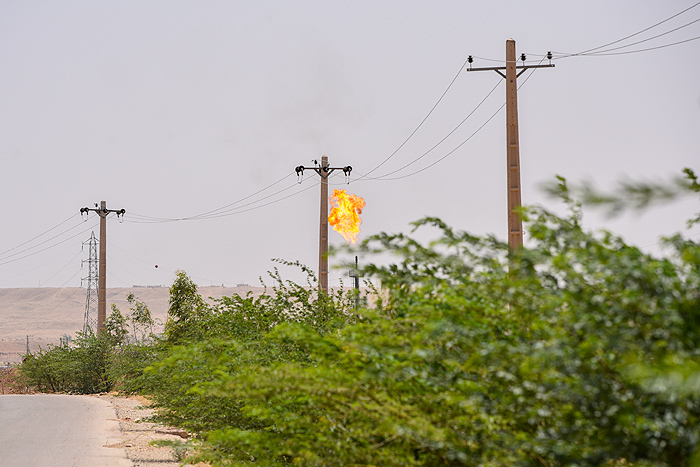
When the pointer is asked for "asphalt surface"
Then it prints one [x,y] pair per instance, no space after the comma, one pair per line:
[46,430]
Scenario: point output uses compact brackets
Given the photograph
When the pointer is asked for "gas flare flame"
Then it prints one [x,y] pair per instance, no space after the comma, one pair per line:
[345,214]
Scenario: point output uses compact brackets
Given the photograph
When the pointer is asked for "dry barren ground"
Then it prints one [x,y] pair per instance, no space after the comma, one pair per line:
[40,316]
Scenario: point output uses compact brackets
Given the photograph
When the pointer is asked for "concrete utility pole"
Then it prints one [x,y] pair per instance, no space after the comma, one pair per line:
[515,224]
[103,212]
[324,171]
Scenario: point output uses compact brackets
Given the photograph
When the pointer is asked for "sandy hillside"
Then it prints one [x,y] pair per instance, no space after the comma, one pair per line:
[45,313]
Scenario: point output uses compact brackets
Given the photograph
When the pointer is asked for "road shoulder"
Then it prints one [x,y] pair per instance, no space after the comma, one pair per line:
[137,434]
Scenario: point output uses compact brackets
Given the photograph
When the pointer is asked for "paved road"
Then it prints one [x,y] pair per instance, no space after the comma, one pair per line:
[58,431]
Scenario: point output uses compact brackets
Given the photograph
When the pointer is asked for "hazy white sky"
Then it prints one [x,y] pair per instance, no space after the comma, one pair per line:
[170,109]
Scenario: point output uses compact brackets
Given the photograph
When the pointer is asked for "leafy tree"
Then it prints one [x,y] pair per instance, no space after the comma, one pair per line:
[132,354]
[187,309]
[142,323]
[116,326]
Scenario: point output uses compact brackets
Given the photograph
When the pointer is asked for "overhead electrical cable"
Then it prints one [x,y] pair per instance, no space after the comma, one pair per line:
[119,279]
[602,52]
[204,214]
[450,152]
[64,267]
[463,142]
[245,198]
[113,260]
[424,119]
[2,258]
[48,247]
[150,263]
[268,203]
[231,208]
[632,35]
[228,212]
[70,247]
[383,177]
[40,235]
[238,209]
[490,59]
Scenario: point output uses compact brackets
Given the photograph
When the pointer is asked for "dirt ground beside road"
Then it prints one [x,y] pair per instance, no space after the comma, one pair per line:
[10,383]
[138,434]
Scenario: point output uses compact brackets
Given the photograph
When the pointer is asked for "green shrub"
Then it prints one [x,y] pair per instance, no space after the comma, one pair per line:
[478,358]
[204,341]
[579,350]
[81,368]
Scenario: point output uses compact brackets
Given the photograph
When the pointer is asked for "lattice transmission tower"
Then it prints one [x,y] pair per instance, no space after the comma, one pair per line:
[90,321]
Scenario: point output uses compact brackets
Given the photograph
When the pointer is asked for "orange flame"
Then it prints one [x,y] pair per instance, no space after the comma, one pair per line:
[345,215]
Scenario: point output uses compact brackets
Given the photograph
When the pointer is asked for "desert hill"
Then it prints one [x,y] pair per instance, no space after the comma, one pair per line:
[45,313]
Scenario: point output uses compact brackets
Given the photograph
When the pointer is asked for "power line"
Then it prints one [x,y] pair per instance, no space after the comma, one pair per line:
[449,153]
[118,264]
[225,212]
[206,214]
[37,267]
[269,203]
[233,211]
[602,52]
[383,177]
[63,267]
[238,210]
[2,258]
[591,51]
[632,35]
[49,247]
[245,198]
[41,234]
[424,118]
[463,142]
[228,210]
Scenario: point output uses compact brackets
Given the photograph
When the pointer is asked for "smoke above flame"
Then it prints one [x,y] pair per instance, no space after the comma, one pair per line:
[345,214]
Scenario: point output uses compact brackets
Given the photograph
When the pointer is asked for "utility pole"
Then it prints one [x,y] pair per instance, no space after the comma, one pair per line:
[103,212]
[515,224]
[324,171]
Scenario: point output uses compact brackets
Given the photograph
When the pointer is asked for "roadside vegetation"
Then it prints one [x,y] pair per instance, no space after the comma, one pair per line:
[578,350]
